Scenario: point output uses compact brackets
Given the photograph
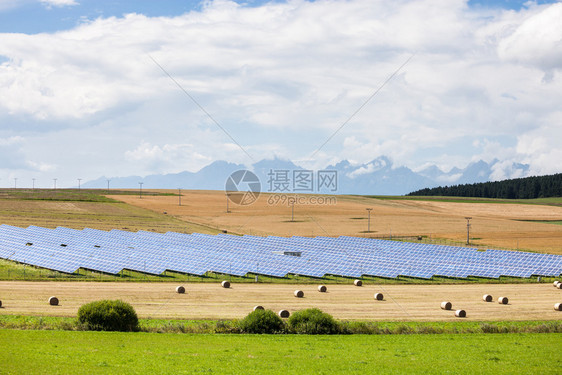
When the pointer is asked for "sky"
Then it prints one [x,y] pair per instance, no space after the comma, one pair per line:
[120,88]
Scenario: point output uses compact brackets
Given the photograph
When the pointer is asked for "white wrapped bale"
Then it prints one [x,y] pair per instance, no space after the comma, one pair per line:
[446,305]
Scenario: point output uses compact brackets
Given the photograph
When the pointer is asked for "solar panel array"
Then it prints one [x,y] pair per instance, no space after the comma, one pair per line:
[67,250]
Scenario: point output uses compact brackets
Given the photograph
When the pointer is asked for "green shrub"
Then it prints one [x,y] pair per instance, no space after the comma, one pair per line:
[108,315]
[313,322]
[262,321]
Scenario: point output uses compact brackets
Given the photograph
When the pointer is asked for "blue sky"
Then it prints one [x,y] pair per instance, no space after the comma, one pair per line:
[82,92]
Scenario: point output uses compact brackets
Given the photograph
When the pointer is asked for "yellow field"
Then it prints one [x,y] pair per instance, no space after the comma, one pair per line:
[203,300]
[493,224]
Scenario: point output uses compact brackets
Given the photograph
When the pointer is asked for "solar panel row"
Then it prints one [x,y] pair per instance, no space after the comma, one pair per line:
[67,250]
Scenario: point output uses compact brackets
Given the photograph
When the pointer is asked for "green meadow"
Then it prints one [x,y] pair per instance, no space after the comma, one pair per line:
[83,352]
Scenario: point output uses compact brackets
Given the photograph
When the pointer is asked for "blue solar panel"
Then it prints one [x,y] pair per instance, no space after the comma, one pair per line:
[66,250]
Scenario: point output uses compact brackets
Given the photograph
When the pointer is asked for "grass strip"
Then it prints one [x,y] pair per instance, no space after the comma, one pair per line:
[25,322]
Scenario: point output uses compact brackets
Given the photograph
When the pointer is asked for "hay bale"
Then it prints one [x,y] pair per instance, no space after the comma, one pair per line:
[358,283]
[379,296]
[460,314]
[284,313]
[559,285]
[53,301]
[225,284]
[180,289]
[446,305]
[558,306]
[258,307]
[322,288]
[503,300]
[487,298]
[299,293]
[555,283]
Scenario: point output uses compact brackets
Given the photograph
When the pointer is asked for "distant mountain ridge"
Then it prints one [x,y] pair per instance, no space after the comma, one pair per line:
[378,177]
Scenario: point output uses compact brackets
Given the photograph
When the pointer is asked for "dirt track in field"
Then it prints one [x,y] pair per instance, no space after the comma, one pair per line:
[493,224]
[202,301]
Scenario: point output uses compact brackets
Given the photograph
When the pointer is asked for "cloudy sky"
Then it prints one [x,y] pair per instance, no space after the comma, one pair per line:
[117,88]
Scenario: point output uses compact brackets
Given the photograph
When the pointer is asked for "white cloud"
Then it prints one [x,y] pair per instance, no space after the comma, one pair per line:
[281,78]
[537,41]
[58,3]
[12,153]
[6,5]
[158,159]
[10,141]
[541,147]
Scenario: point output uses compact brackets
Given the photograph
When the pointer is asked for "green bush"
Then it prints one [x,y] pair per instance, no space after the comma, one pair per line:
[262,321]
[313,322]
[108,315]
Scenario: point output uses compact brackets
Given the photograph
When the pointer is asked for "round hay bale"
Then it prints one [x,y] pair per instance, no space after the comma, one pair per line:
[225,284]
[558,306]
[284,313]
[446,305]
[503,300]
[460,314]
[379,296]
[358,283]
[487,298]
[299,293]
[322,288]
[258,307]
[180,289]
[555,283]
[53,301]
[559,285]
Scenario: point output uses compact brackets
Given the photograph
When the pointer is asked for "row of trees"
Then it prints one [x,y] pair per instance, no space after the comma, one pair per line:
[518,188]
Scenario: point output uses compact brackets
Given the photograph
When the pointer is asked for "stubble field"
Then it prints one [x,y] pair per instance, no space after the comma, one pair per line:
[345,302]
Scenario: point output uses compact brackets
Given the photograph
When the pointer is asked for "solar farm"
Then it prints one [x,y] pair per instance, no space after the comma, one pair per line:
[68,250]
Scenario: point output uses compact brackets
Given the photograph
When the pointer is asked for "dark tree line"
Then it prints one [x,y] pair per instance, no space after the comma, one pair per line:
[518,188]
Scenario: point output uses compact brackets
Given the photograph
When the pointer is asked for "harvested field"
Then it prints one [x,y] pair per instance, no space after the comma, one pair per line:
[211,301]
[504,225]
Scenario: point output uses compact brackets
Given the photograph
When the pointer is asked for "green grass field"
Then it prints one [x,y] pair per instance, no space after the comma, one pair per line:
[55,352]
[72,195]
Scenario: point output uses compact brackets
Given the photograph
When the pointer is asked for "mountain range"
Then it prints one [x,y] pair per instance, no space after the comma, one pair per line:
[378,177]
